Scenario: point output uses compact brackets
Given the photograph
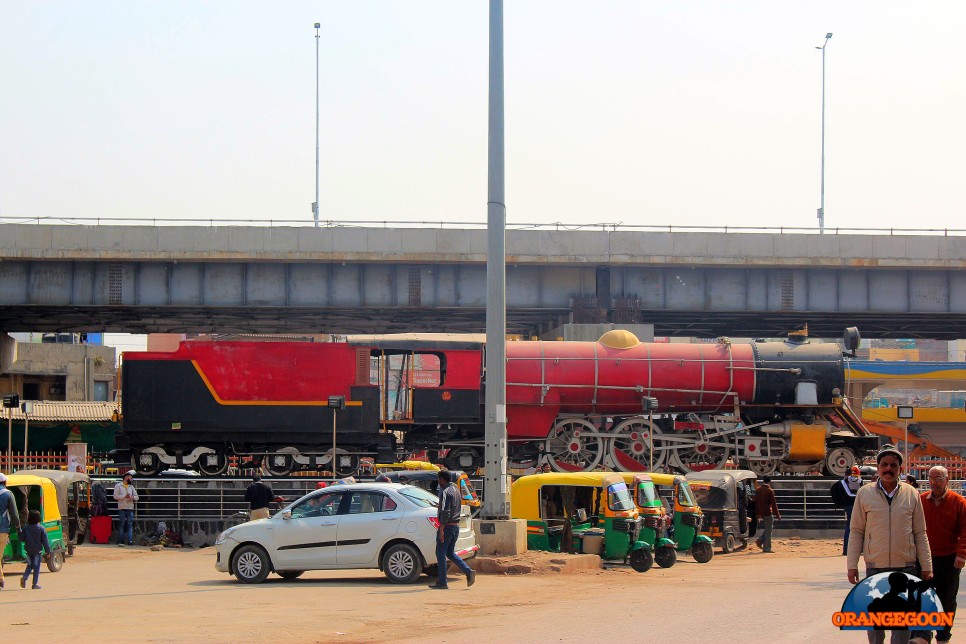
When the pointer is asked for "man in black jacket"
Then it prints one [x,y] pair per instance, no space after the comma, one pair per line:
[260,496]
[843,496]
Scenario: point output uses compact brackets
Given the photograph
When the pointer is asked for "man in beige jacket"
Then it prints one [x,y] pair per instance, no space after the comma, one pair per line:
[888,530]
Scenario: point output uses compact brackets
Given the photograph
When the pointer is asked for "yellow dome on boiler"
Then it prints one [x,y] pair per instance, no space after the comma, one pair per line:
[619,339]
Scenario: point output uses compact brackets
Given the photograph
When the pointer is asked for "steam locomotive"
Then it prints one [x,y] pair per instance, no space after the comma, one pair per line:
[617,403]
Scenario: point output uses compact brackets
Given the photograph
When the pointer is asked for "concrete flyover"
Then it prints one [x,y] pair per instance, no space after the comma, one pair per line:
[341,279]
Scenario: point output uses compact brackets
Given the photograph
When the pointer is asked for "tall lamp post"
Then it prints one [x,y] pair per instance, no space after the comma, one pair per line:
[315,204]
[821,208]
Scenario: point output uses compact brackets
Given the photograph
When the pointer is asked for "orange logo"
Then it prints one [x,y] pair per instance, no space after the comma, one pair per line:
[447,395]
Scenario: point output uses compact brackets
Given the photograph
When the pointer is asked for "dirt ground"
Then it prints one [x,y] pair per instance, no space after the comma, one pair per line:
[109,593]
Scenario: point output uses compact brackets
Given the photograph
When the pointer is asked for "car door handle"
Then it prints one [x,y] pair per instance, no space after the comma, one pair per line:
[326,524]
[391,519]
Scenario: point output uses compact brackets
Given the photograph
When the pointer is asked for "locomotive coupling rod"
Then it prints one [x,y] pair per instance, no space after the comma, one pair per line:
[793,370]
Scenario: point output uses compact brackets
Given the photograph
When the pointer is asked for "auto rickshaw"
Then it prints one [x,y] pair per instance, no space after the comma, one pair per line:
[570,511]
[36,493]
[654,518]
[74,501]
[725,497]
[429,481]
[686,516]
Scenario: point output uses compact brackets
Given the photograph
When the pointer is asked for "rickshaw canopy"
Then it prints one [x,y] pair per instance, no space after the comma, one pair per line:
[50,507]
[61,480]
[525,491]
[717,489]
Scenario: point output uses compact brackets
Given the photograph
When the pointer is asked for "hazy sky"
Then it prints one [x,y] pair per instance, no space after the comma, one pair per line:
[633,111]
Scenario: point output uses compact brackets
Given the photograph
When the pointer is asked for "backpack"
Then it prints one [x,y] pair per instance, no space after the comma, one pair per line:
[840,498]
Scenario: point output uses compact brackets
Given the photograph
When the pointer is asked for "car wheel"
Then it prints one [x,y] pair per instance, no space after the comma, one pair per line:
[702,552]
[251,564]
[55,561]
[665,556]
[642,560]
[290,574]
[402,564]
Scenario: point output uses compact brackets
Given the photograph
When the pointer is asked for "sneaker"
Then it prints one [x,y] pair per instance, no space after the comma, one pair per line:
[23,582]
[35,587]
[438,587]
[758,543]
[130,543]
[120,545]
[470,578]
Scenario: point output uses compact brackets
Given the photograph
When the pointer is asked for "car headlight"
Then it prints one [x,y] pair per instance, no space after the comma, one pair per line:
[224,535]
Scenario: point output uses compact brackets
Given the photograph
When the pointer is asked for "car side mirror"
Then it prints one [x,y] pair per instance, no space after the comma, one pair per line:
[287,515]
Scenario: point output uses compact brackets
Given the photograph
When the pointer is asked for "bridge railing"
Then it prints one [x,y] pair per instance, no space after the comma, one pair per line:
[474,225]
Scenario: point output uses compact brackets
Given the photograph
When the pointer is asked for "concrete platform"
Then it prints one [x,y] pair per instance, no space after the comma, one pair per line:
[530,563]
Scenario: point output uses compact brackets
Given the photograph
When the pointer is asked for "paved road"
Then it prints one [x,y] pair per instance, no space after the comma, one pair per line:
[108,593]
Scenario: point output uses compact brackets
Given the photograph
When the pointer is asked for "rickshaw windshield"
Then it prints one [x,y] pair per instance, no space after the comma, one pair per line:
[686,495]
[646,495]
[619,498]
[714,498]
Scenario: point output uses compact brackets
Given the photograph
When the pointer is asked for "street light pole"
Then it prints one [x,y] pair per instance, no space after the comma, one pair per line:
[315,206]
[821,209]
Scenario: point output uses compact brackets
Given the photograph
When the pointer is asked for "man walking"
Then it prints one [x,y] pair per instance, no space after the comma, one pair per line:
[260,496]
[9,519]
[884,516]
[945,513]
[843,496]
[126,497]
[448,517]
[767,510]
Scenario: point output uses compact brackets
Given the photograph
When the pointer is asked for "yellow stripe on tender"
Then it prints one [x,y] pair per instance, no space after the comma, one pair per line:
[302,403]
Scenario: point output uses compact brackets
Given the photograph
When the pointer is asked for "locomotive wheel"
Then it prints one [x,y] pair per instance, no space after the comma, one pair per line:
[631,449]
[147,463]
[346,465]
[213,464]
[764,468]
[468,459]
[279,464]
[700,456]
[570,450]
[839,461]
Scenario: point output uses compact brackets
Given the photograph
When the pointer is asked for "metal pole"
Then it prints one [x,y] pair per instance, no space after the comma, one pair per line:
[315,206]
[906,447]
[9,439]
[650,441]
[26,430]
[334,474]
[821,209]
[495,503]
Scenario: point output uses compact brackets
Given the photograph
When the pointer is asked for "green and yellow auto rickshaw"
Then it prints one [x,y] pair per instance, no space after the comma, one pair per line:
[686,517]
[654,518]
[575,511]
[74,501]
[37,493]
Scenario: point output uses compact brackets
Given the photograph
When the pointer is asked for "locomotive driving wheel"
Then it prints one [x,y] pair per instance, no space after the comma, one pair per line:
[631,447]
[839,461]
[573,446]
[765,467]
[702,455]
[281,463]
[213,463]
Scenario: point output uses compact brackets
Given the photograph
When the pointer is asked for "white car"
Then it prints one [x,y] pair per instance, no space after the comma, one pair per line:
[387,526]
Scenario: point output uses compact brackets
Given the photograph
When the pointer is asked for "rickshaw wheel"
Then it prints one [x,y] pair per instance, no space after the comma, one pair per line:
[55,561]
[702,552]
[665,556]
[642,560]
[729,543]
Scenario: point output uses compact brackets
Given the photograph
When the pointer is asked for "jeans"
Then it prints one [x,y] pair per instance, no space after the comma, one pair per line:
[447,549]
[946,576]
[848,530]
[767,522]
[898,637]
[125,528]
[33,563]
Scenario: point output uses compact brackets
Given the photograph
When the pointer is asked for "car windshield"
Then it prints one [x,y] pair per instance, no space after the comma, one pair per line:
[618,498]
[420,497]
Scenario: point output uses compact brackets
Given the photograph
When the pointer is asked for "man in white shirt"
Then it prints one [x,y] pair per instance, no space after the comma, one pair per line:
[126,497]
